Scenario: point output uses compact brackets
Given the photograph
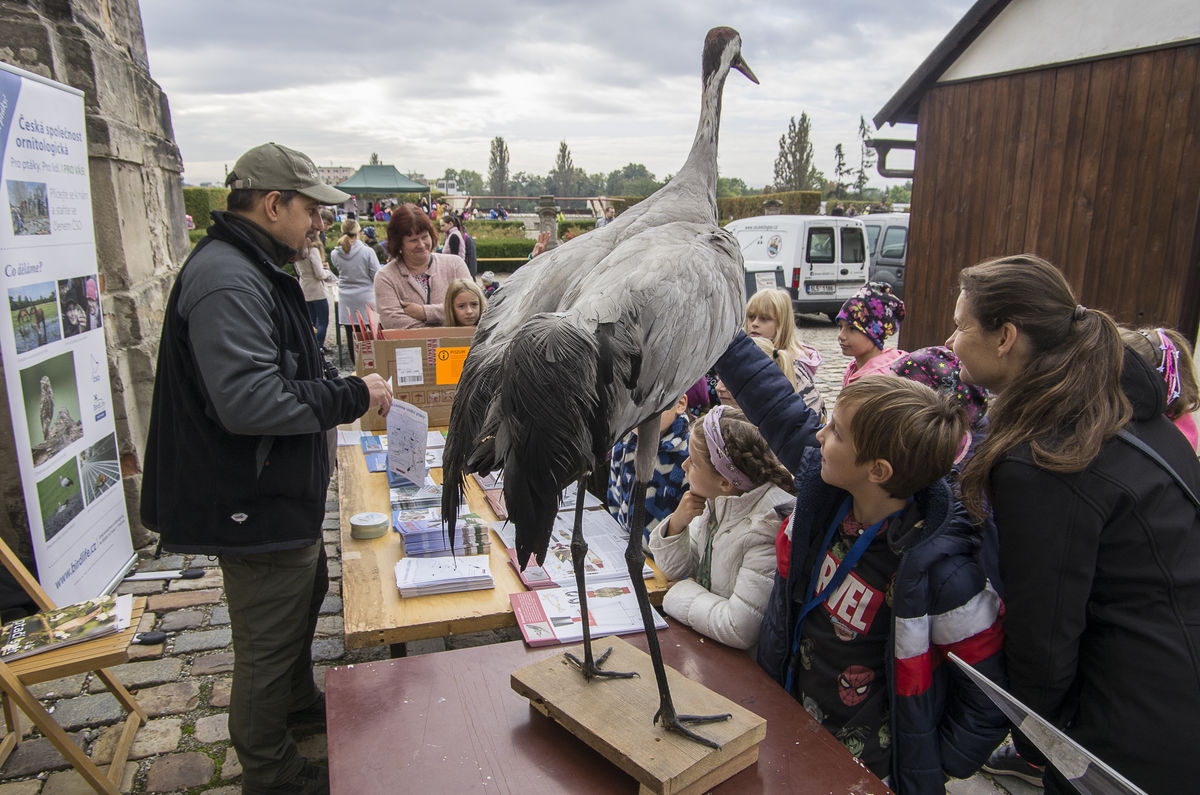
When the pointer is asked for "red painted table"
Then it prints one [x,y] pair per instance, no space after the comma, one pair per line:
[449,723]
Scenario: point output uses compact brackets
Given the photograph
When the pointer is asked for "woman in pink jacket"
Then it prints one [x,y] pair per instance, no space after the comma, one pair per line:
[410,290]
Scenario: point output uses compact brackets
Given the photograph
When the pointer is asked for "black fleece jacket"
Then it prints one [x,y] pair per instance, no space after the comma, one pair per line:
[1102,576]
[237,459]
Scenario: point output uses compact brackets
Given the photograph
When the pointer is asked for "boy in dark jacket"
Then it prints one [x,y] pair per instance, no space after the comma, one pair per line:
[882,579]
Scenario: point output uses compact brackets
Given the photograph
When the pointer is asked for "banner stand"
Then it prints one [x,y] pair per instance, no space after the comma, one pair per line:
[52,343]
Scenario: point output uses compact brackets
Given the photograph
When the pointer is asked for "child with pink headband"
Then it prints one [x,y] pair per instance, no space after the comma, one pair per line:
[1166,350]
[720,542]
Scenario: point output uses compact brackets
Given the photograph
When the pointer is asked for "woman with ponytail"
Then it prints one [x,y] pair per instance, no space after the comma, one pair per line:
[1099,544]
[356,266]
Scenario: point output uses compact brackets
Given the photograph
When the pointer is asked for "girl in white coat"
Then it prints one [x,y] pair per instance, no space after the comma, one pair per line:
[722,535]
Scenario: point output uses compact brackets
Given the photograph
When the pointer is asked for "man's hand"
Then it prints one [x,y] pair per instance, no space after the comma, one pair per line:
[381,392]
[690,506]
[543,240]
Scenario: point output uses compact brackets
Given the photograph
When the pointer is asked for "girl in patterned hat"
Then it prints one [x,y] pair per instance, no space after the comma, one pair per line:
[867,319]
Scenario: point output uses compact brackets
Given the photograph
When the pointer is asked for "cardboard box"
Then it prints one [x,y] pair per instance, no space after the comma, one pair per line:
[422,364]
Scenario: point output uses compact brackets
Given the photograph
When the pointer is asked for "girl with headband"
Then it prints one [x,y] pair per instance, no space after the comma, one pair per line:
[1167,351]
[720,542]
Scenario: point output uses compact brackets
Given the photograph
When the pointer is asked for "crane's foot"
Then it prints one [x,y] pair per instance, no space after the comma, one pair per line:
[591,669]
[676,723]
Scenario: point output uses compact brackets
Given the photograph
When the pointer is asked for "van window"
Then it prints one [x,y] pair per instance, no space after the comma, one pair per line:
[872,236]
[893,242]
[820,244]
[853,249]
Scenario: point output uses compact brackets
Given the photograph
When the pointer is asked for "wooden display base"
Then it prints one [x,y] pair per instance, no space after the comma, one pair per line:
[614,717]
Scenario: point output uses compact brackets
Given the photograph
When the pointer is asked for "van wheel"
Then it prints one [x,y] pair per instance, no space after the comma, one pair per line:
[832,317]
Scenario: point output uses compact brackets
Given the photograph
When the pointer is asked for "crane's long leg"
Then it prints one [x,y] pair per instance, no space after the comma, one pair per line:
[579,549]
[635,558]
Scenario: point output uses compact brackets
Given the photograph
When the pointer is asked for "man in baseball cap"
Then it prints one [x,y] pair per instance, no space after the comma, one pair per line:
[273,166]
[237,463]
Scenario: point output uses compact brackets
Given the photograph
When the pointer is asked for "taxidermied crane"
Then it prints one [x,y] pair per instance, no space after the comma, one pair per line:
[597,337]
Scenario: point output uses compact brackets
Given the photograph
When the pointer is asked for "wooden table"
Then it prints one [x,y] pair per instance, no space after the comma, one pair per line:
[449,722]
[374,612]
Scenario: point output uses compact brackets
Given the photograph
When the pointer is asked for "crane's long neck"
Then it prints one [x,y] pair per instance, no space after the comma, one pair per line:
[700,170]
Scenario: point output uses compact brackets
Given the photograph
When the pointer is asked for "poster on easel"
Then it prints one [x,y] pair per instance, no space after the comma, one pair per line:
[52,343]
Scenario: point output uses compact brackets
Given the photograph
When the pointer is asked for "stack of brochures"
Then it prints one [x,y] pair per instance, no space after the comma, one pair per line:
[65,625]
[605,559]
[409,495]
[422,533]
[416,576]
[552,616]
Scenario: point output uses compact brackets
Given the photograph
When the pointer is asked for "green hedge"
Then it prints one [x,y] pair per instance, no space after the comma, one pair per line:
[569,229]
[199,202]
[797,202]
[506,247]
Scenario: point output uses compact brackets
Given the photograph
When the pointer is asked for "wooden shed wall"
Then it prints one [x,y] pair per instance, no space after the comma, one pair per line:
[1094,166]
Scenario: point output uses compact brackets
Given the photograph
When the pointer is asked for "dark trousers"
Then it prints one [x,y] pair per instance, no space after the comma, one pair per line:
[318,315]
[350,341]
[274,599]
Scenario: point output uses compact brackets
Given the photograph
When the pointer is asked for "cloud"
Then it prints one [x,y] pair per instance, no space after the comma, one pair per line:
[428,86]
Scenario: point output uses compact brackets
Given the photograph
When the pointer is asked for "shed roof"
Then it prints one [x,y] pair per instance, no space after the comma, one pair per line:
[902,107]
[381,179]
[999,37]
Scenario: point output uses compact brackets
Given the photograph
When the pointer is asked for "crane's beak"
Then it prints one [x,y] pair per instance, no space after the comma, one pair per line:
[743,67]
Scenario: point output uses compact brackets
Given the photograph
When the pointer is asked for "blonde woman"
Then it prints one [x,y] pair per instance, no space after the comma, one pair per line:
[356,265]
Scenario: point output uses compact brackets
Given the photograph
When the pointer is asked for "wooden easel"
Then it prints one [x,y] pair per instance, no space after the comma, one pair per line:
[93,655]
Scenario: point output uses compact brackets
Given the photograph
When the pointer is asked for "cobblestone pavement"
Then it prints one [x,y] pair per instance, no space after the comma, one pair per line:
[183,684]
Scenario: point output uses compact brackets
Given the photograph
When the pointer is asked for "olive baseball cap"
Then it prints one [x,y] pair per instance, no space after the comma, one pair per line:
[274,167]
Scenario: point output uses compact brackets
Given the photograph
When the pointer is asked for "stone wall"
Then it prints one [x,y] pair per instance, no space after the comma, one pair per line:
[98,47]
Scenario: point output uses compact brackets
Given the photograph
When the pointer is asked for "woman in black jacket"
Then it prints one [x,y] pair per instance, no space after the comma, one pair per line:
[1099,546]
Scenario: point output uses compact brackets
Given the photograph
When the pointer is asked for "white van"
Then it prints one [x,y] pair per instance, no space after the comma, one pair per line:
[821,260]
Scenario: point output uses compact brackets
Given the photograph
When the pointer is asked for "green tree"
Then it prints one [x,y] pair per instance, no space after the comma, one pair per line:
[793,165]
[374,161]
[866,157]
[470,182]
[562,176]
[730,186]
[525,184]
[840,172]
[899,194]
[498,167]
[632,179]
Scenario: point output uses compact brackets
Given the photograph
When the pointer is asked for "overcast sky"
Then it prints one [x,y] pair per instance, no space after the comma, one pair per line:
[428,85]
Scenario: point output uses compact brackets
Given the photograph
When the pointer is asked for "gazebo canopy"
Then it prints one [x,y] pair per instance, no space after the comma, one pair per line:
[381,179]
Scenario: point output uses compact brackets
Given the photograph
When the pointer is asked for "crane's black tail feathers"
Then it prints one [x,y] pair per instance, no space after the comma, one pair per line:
[549,415]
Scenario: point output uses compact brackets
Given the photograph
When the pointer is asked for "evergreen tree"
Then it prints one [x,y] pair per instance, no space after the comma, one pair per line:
[840,172]
[793,166]
[562,176]
[498,167]
[866,157]
[374,161]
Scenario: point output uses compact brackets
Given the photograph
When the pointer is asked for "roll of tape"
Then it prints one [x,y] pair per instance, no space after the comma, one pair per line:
[368,525]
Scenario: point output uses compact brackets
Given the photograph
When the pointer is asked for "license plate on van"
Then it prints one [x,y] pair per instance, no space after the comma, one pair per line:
[820,289]
[764,280]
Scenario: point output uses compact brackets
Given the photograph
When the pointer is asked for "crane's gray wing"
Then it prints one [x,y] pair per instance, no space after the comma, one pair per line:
[674,296]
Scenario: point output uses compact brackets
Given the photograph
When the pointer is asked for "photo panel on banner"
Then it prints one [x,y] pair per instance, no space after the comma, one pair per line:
[53,346]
